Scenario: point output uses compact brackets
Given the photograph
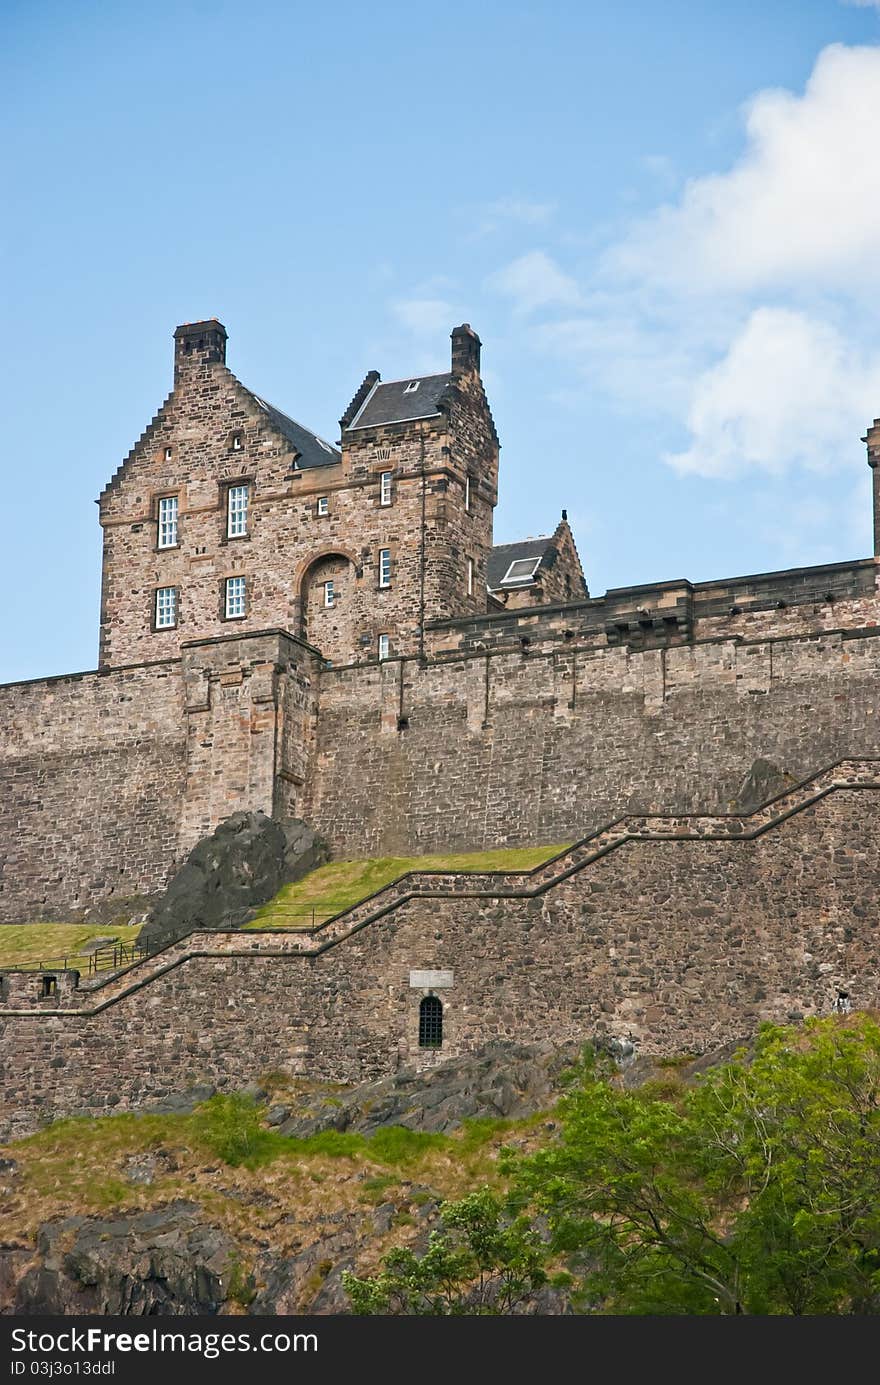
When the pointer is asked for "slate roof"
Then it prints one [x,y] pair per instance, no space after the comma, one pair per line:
[312,450]
[393,402]
[506,553]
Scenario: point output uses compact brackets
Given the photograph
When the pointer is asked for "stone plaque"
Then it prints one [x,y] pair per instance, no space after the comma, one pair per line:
[429,980]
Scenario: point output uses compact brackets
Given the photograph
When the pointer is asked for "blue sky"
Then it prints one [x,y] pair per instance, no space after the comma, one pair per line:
[662,220]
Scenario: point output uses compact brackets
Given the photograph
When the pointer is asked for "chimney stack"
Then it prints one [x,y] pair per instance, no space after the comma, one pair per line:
[465,350]
[198,344]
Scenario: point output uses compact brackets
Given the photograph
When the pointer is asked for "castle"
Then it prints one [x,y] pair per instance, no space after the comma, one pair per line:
[326,631]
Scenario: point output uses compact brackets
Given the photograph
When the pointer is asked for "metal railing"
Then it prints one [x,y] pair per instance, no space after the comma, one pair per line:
[87,964]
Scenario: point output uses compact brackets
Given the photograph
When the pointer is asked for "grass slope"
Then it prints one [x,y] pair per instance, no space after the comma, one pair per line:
[33,943]
[341,884]
[316,897]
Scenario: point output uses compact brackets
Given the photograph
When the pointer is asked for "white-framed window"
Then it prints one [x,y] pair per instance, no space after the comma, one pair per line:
[411,387]
[384,646]
[168,521]
[470,576]
[235,597]
[237,511]
[322,506]
[384,567]
[385,488]
[521,570]
[329,594]
[168,454]
[236,442]
[166,608]
[467,494]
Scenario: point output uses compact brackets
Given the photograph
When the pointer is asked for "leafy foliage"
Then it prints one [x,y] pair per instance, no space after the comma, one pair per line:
[756,1192]
[482,1263]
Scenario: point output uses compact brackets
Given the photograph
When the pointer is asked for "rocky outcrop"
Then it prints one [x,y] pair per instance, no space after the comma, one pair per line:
[167,1262]
[504,1080]
[241,865]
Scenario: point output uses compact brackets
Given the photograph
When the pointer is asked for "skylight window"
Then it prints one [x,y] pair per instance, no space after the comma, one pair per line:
[411,387]
[521,570]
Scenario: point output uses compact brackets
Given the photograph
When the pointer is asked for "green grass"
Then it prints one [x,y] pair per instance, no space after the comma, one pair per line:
[33,943]
[330,889]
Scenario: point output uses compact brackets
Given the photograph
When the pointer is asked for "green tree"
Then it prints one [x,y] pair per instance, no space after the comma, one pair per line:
[756,1192]
[482,1262]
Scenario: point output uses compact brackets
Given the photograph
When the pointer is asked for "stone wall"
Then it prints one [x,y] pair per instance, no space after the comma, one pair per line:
[541,745]
[91,778]
[683,934]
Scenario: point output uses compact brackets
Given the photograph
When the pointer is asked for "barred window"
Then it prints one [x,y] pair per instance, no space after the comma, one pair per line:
[237,512]
[168,521]
[431,1022]
[235,593]
[166,608]
[384,567]
[385,488]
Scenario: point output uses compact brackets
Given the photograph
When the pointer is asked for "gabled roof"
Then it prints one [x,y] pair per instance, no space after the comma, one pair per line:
[312,451]
[504,554]
[401,401]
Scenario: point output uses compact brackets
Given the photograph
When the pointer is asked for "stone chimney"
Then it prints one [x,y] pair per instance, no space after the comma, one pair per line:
[198,344]
[465,350]
[873,441]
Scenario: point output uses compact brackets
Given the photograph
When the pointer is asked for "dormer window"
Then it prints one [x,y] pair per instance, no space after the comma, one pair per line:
[521,570]
[411,387]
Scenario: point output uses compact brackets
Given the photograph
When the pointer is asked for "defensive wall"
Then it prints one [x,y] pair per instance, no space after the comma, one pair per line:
[680,932]
[648,700]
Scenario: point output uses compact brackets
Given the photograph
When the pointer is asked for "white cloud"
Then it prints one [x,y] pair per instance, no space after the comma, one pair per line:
[790,390]
[801,202]
[534,281]
[424,316]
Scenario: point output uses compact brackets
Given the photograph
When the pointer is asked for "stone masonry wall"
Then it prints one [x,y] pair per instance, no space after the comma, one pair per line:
[683,943]
[91,779]
[519,747]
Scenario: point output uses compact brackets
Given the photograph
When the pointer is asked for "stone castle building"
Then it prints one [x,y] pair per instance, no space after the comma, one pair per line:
[326,630]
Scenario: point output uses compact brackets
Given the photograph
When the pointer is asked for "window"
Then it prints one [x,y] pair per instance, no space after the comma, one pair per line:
[168,521]
[168,454]
[384,567]
[235,592]
[236,442]
[521,570]
[470,576]
[411,387]
[166,608]
[385,488]
[384,647]
[431,1022]
[48,985]
[323,505]
[467,493]
[328,593]
[237,512]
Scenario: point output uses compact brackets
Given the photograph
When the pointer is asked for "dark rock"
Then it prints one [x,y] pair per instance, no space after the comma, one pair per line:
[254,1092]
[504,1079]
[763,782]
[276,1115]
[181,1103]
[241,865]
[167,1262]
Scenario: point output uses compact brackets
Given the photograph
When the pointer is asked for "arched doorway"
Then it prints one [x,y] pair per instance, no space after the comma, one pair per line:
[327,607]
